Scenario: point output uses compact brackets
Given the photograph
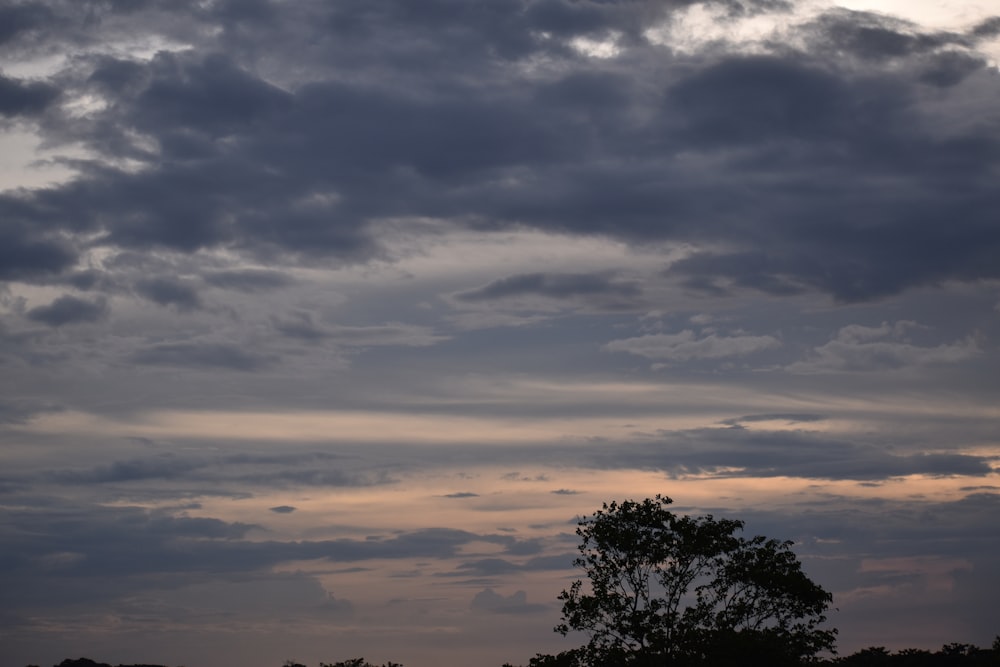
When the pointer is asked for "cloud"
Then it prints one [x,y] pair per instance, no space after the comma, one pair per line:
[489,566]
[21,18]
[249,280]
[687,346]
[301,326]
[201,355]
[390,333]
[578,147]
[69,310]
[738,452]
[462,494]
[20,98]
[163,467]
[989,27]
[553,286]
[791,417]
[28,255]
[873,349]
[22,410]
[515,603]
[169,292]
[282,509]
[877,37]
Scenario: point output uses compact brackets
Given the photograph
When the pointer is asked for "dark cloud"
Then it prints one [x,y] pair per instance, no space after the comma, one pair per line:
[791,417]
[227,474]
[163,467]
[249,280]
[169,292]
[987,28]
[877,36]
[586,147]
[69,309]
[553,286]
[20,98]
[212,97]
[751,100]
[85,280]
[22,410]
[462,494]
[282,509]
[950,68]
[25,255]
[20,18]
[201,355]
[515,603]
[489,566]
[301,326]
[128,540]
[748,453]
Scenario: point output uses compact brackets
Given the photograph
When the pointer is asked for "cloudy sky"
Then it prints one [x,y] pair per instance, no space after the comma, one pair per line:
[320,322]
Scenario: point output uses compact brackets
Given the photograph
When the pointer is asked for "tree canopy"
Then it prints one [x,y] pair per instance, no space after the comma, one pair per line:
[664,588]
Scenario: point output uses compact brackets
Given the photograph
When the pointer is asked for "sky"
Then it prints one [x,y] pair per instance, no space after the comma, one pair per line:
[321,323]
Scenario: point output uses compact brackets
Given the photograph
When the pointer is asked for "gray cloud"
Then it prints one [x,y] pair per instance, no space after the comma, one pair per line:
[301,326]
[687,346]
[280,182]
[871,36]
[791,417]
[68,309]
[987,28]
[26,255]
[739,452]
[228,474]
[163,467]
[553,286]
[22,18]
[169,292]
[515,603]
[200,355]
[18,97]
[873,349]
[249,280]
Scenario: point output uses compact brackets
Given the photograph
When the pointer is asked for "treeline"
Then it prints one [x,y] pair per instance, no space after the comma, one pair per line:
[353,662]
[959,655]
[950,655]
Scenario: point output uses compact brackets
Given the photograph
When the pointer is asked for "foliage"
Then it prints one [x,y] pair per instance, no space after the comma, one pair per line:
[679,590]
[950,655]
[357,662]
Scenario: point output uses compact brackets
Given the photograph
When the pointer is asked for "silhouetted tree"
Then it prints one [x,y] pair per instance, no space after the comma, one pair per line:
[665,589]
[357,662]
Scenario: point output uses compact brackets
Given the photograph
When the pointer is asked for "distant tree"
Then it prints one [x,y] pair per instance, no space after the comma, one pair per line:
[357,662]
[665,589]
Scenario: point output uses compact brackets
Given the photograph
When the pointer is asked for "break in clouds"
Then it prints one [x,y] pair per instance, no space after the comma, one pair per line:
[320,322]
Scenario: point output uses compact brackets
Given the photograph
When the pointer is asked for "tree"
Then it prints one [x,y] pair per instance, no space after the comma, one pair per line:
[666,589]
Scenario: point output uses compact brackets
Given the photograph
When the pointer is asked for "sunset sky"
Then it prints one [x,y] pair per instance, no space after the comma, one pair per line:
[321,322]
